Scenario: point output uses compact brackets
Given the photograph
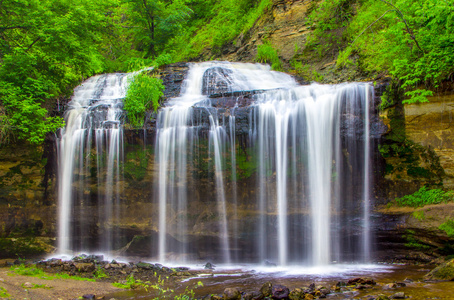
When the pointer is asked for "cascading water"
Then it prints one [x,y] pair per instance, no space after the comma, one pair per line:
[93,117]
[249,166]
[311,146]
[305,124]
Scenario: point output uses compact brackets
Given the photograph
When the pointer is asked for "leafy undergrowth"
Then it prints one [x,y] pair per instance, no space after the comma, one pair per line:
[159,287]
[4,293]
[448,227]
[425,196]
[266,53]
[132,283]
[36,286]
[35,272]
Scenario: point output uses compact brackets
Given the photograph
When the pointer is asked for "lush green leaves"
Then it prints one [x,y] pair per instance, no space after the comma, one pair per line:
[144,92]
[425,196]
[414,42]
[266,53]
[46,48]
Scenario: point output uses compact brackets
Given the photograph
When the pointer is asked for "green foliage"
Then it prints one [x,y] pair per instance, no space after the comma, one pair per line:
[266,53]
[144,92]
[420,55]
[4,293]
[425,196]
[20,247]
[153,22]
[99,273]
[132,283]
[329,19]
[36,286]
[46,48]
[135,166]
[448,227]
[216,24]
[419,215]
[35,272]
[246,164]
[413,242]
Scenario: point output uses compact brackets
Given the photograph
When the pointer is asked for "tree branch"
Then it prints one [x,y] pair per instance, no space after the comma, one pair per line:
[34,42]
[12,27]
[412,36]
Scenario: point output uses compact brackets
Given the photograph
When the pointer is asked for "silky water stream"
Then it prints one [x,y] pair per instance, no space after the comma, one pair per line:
[264,177]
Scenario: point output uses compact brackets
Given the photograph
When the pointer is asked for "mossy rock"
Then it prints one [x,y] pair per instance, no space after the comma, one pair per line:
[444,271]
[24,247]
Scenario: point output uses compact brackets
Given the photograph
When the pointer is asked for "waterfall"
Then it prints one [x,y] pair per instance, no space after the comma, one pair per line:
[249,167]
[93,116]
[312,155]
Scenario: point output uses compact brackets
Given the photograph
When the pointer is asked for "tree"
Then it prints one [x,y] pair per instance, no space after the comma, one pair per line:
[46,48]
[154,22]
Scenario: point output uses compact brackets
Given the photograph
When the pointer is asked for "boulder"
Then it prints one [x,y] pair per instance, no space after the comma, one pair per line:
[279,292]
[231,294]
[444,271]
[266,289]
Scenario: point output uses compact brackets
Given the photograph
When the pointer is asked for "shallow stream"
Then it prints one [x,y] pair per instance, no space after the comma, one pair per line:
[248,279]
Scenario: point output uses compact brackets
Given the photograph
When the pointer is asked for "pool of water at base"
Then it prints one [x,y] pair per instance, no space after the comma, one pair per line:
[250,278]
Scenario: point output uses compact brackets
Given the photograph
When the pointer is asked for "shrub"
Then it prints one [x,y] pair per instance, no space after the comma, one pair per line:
[144,92]
[448,227]
[266,53]
[425,196]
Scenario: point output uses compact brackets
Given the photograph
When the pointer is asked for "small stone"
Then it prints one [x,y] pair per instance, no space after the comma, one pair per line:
[390,286]
[269,264]
[399,295]
[89,297]
[209,266]
[308,297]
[2,280]
[143,265]
[85,267]
[295,294]
[252,296]
[401,284]
[231,294]
[279,292]
[27,285]
[266,289]
[325,291]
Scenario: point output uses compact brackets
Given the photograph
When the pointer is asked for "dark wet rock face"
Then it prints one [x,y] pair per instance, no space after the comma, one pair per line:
[280,292]
[172,76]
[216,80]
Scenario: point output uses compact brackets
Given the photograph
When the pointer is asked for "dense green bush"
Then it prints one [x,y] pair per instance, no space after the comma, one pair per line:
[143,93]
[411,40]
[448,227]
[266,53]
[425,196]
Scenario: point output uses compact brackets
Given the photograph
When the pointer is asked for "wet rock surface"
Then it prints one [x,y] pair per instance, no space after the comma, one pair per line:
[445,271]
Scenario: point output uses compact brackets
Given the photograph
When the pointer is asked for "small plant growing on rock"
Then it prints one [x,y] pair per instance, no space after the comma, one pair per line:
[425,196]
[4,293]
[132,283]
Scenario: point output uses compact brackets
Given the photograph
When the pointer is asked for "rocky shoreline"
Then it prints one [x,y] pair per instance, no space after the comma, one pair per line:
[149,280]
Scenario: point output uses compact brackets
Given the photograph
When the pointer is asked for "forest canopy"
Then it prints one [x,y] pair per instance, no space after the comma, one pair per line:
[47,47]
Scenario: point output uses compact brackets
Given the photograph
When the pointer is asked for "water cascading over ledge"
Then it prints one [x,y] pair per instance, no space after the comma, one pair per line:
[90,150]
[311,148]
[248,166]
